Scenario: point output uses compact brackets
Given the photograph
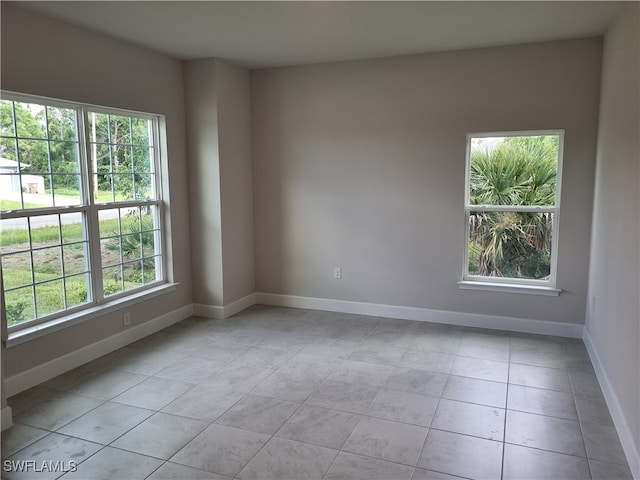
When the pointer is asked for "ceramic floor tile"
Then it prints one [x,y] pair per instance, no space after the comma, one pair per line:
[546,433]
[362,373]
[153,393]
[422,474]
[537,357]
[357,467]
[19,436]
[480,368]
[474,390]
[602,443]
[485,346]
[539,377]
[346,397]
[108,384]
[173,471]
[204,402]
[609,471]
[469,419]
[238,377]
[190,370]
[30,398]
[522,463]
[403,407]
[52,448]
[220,449]
[430,342]
[106,423]
[431,361]
[416,381]
[593,410]
[461,455]
[320,426]
[161,435]
[221,353]
[584,383]
[387,440]
[57,411]
[149,362]
[259,414]
[541,401]
[264,358]
[382,354]
[291,384]
[286,459]
[111,464]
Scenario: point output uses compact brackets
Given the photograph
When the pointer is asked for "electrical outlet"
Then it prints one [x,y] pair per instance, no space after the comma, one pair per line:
[337,273]
[126,319]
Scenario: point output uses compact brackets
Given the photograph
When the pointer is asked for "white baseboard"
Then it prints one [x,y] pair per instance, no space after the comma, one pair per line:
[48,370]
[7,419]
[622,427]
[213,311]
[425,315]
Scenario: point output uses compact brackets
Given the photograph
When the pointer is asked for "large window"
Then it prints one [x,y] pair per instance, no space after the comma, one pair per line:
[80,203]
[512,206]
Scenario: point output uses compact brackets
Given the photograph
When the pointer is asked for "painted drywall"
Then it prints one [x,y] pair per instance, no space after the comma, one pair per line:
[613,311]
[360,165]
[236,188]
[219,143]
[46,57]
[201,105]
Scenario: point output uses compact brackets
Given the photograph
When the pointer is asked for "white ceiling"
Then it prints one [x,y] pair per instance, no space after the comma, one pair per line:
[267,34]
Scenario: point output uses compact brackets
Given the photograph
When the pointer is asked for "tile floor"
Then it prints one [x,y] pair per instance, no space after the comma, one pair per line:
[277,393]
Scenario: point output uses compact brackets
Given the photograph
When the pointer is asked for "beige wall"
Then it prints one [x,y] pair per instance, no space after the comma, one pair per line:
[613,310]
[71,63]
[361,165]
[219,142]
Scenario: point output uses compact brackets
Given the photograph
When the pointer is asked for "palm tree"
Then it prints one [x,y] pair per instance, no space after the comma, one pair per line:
[518,171]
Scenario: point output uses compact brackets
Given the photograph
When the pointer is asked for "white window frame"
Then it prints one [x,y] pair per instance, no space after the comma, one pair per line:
[99,304]
[509,284]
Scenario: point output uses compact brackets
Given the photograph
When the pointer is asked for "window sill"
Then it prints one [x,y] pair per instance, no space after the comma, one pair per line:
[30,333]
[509,288]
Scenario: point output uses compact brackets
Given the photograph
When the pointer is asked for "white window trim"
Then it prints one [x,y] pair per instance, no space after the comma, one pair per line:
[45,325]
[508,284]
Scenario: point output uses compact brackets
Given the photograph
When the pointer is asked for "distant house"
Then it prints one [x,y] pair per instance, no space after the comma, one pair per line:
[10,181]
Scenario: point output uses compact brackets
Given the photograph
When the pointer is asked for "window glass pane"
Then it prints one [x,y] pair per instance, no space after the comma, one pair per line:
[6,122]
[30,120]
[510,244]
[133,275]
[67,190]
[120,129]
[62,124]
[47,264]
[16,270]
[515,170]
[64,157]
[77,288]
[45,230]
[74,258]
[72,228]
[14,235]
[141,131]
[49,297]
[112,280]
[19,305]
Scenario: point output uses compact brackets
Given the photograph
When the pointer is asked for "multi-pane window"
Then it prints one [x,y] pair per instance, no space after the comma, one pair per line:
[80,204]
[512,204]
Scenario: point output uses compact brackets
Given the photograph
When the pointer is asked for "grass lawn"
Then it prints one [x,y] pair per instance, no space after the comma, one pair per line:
[48,260]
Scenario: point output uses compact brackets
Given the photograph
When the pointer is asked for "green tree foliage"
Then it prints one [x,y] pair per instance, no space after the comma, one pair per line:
[517,171]
[47,143]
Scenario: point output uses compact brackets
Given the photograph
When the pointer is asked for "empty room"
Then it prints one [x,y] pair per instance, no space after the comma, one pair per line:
[320,240]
